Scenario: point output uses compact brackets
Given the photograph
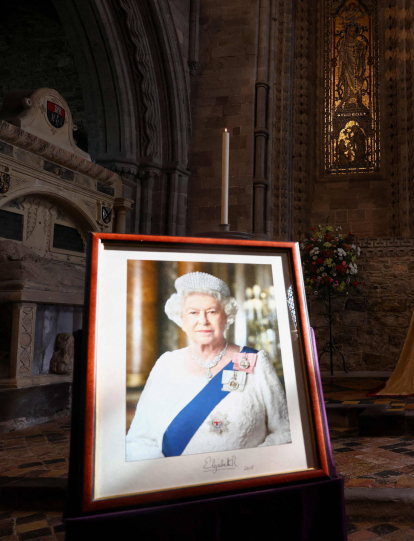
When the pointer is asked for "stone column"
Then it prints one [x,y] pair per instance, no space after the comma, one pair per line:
[121,206]
[194,37]
[261,132]
[22,343]
[146,181]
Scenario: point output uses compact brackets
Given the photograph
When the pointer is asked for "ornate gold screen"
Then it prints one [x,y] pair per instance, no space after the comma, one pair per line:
[351,86]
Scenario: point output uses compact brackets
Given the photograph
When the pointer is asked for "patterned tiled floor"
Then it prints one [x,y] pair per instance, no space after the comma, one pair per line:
[26,525]
[41,451]
[374,462]
[374,532]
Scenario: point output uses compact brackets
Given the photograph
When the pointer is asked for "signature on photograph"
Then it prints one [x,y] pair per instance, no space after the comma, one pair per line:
[213,465]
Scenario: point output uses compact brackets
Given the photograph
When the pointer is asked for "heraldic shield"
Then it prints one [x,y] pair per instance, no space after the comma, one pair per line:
[4,182]
[106,214]
[55,114]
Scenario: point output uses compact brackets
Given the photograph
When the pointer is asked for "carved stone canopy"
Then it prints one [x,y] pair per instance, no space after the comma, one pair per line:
[43,113]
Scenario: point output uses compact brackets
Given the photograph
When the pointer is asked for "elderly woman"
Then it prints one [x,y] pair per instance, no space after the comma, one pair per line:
[211,396]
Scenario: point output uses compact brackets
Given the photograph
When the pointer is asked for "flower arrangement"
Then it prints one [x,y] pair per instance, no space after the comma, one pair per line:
[328,260]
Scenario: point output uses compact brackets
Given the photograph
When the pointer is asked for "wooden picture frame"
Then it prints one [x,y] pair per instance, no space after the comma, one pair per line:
[100,477]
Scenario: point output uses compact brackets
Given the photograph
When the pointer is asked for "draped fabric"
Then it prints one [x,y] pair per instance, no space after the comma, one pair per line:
[307,512]
[402,380]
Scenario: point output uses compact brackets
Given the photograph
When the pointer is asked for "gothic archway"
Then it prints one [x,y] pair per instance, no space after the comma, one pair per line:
[136,95]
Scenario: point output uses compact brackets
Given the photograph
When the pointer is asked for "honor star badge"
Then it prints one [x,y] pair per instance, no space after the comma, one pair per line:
[218,422]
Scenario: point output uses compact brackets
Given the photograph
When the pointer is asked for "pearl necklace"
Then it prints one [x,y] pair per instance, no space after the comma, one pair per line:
[210,363]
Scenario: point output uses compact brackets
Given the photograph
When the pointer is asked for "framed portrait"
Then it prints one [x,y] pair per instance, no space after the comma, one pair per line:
[198,375]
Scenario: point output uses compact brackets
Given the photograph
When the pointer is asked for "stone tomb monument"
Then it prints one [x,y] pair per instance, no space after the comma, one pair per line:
[51,195]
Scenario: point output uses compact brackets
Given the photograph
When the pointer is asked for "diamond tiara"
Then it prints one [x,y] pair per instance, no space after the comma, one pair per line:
[201,280]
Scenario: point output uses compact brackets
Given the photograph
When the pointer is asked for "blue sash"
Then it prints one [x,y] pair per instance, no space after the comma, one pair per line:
[183,427]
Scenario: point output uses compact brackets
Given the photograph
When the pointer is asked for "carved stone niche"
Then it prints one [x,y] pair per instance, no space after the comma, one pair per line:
[40,297]
[51,195]
[63,356]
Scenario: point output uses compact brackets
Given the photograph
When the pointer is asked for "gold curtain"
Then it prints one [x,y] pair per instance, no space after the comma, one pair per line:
[402,380]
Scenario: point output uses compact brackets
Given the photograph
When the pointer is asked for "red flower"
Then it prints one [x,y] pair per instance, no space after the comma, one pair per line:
[328,253]
[327,238]
[346,246]
[355,283]
[309,247]
[339,268]
[319,261]
[326,280]
[313,228]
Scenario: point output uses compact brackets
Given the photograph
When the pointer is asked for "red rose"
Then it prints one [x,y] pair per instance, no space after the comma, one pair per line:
[313,228]
[355,283]
[319,261]
[339,268]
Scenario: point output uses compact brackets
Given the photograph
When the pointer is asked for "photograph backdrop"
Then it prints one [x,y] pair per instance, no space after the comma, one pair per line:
[150,333]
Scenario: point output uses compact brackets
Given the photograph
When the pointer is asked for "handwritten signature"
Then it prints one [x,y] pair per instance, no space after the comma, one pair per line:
[213,465]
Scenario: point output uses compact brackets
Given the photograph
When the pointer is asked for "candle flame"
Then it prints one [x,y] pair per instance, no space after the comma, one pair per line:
[225,129]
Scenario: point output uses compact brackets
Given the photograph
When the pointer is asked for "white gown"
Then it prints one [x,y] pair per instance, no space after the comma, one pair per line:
[256,416]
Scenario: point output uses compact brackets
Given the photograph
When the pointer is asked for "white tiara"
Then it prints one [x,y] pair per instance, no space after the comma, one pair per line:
[201,280]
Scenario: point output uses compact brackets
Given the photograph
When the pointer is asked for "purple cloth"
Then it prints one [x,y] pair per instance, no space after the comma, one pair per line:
[308,512]
[332,468]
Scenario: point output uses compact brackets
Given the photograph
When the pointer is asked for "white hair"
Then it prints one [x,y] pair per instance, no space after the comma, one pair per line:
[175,304]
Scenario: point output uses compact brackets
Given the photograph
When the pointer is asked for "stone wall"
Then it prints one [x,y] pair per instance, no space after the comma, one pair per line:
[360,205]
[223,97]
[370,328]
[42,59]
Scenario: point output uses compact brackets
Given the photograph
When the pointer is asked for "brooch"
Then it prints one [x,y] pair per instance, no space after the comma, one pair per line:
[218,422]
[244,362]
[233,381]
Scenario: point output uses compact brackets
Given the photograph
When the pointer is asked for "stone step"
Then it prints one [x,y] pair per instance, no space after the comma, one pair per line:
[383,504]
[371,420]
[33,493]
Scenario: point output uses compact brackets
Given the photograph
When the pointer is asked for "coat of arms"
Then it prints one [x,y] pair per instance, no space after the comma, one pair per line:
[4,182]
[106,214]
[55,114]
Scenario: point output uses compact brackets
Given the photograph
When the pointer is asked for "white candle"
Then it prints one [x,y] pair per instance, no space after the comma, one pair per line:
[225,178]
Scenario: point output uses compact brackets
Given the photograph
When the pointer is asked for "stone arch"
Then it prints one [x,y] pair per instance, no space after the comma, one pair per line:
[60,198]
[136,95]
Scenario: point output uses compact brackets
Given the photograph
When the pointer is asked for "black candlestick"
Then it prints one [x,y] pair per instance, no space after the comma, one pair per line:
[330,346]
